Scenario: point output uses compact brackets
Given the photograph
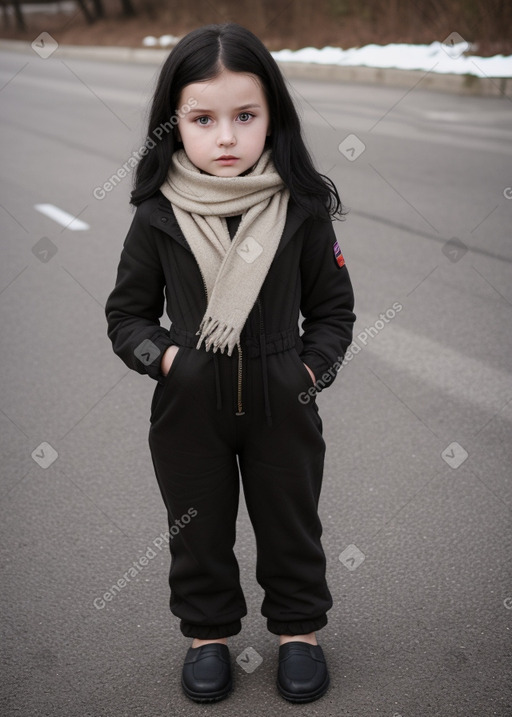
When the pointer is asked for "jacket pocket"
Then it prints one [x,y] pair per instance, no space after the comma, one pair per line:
[162,387]
[303,369]
[173,362]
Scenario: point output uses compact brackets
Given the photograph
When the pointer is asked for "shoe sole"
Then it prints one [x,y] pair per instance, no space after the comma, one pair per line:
[207,696]
[306,696]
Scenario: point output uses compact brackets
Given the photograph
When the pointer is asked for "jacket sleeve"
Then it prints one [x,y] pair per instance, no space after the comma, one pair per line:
[327,303]
[136,303]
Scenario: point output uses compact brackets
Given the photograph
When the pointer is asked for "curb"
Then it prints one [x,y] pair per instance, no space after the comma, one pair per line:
[390,77]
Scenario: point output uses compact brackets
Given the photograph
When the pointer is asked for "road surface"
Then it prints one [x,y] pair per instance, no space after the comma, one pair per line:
[417,497]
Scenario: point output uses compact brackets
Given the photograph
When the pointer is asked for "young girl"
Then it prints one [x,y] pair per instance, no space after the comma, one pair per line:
[234,225]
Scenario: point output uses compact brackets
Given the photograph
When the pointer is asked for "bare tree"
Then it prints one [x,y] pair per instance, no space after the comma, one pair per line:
[20,20]
[128,9]
[83,7]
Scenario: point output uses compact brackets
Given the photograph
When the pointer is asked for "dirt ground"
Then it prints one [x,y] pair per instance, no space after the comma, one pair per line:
[290,29]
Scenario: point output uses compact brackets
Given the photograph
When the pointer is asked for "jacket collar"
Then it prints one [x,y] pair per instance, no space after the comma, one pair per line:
[163,218]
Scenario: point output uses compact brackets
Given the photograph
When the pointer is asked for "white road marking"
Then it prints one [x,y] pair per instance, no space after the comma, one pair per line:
[61,217]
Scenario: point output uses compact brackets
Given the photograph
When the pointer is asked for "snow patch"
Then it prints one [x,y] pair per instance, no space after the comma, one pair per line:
[436,57]
[163,41]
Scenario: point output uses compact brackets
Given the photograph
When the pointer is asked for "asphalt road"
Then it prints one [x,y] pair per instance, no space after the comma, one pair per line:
[417,497]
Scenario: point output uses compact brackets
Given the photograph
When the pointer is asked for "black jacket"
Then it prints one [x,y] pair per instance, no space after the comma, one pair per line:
[304,276]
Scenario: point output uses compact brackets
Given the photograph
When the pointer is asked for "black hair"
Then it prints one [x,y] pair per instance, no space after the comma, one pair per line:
[201,55]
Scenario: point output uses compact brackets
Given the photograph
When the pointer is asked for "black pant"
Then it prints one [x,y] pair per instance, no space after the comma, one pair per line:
[195,439]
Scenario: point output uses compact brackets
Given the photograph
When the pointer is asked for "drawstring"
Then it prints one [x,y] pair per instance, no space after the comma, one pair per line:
[263,353]
[217,381]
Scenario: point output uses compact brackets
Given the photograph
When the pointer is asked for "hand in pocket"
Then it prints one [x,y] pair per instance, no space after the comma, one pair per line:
[310,373]
[168,358]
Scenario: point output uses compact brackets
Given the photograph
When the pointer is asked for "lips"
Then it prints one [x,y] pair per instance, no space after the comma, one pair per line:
[226,156]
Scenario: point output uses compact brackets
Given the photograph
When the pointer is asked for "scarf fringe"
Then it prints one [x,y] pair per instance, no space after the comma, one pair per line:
[217,334]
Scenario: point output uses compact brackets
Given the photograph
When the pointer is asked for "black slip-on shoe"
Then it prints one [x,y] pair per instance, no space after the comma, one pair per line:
[302,675]
[206,674]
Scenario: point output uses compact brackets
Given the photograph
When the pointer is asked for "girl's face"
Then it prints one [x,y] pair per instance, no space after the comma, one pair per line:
[224,134]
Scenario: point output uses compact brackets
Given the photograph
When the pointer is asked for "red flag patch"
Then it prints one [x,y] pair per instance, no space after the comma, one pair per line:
[338,255]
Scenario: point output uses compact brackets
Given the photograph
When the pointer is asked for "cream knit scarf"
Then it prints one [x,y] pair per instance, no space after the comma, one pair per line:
[233,271]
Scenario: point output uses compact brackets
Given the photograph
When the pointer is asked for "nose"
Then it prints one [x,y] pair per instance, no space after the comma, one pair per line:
[226,136]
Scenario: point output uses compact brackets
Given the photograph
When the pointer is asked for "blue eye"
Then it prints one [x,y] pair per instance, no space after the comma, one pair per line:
[245,116]
[199,120]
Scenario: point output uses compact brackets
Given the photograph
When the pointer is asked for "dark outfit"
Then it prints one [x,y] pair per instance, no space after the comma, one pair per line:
[211,409]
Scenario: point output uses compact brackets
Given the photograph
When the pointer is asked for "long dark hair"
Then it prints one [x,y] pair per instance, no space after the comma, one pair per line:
[201,55]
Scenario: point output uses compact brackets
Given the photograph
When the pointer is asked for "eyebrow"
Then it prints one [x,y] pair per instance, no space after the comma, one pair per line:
[238,109]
